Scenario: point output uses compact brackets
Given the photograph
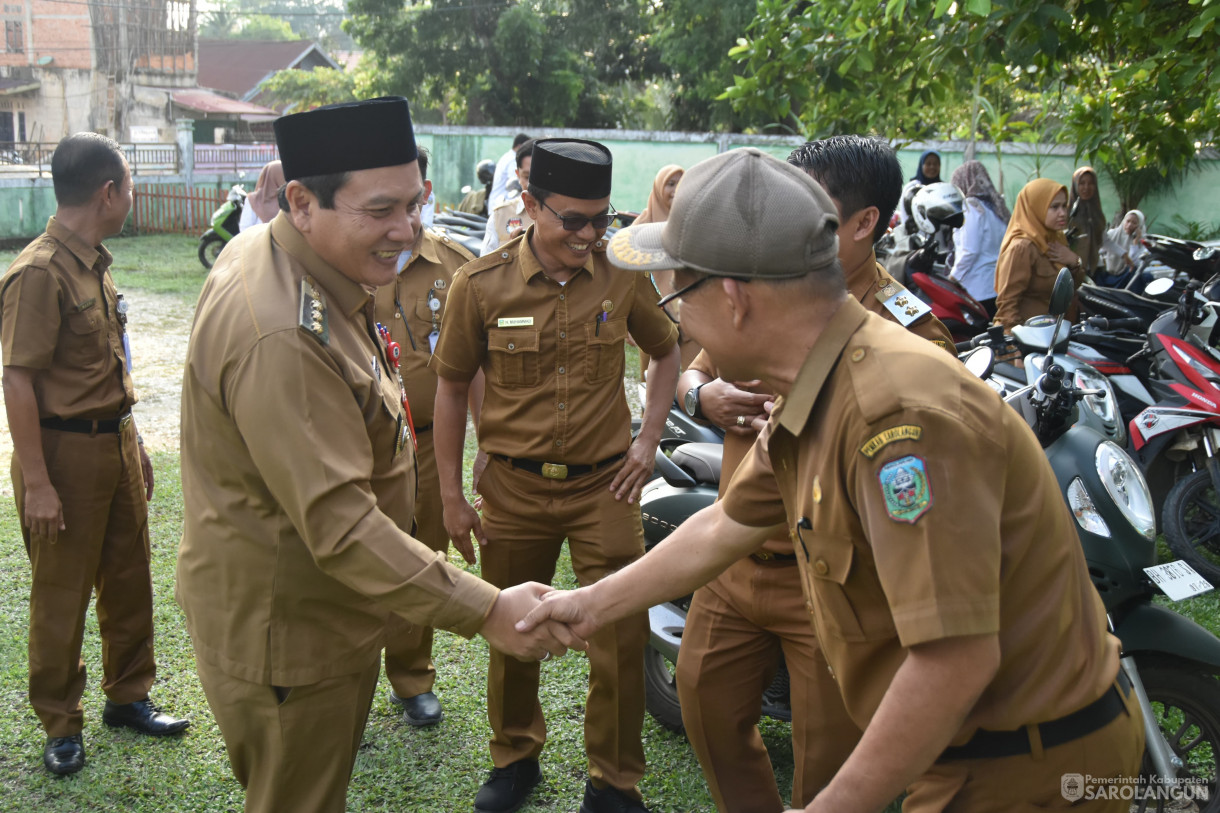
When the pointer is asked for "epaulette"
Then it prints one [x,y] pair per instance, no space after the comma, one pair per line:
[442,237]
[495,257]
[313,312]
[903,305]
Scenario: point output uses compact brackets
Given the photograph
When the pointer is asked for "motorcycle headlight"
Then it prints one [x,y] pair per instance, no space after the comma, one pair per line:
[1085,511]
[1126,485]
[1105,404]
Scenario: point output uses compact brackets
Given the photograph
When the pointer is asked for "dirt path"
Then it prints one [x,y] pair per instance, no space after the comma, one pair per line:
[160,326]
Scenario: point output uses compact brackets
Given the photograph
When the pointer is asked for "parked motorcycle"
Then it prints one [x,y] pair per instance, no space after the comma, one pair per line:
[224,228]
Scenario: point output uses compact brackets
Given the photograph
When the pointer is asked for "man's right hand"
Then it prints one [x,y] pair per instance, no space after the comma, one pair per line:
[542,640]
[461,520]
[723,402]
[568,607]
[44,515]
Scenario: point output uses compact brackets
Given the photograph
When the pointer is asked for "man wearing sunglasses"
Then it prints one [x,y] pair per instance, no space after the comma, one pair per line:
[545,317]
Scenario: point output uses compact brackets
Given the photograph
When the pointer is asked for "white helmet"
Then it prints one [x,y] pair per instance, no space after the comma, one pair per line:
[937,205]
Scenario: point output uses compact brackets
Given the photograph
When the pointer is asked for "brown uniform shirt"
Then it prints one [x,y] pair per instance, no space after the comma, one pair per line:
[554,365]
[923,508]
[403,308]
[1024,279]
[863,284]
[59,315]
[297,479]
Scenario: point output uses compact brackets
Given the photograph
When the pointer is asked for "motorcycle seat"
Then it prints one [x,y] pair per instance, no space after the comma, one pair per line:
[700,460]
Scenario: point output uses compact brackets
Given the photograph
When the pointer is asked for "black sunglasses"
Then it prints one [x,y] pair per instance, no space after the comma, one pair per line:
[665,300]
[578,222]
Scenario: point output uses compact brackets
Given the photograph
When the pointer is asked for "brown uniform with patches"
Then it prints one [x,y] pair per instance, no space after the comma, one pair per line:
[403,308]
[58,316]
[553,358]
[1024,279]
[736,629]
[885,454]
[299,486]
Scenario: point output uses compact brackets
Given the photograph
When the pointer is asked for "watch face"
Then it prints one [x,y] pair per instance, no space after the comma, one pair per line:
[691,401]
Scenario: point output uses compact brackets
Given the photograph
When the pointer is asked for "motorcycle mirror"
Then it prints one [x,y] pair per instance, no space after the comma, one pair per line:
[980,362]
[1158,287]
[1062,293]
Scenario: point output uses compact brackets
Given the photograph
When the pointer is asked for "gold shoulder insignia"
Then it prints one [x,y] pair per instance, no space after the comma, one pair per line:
[879,441]
[901,304]
[313,312]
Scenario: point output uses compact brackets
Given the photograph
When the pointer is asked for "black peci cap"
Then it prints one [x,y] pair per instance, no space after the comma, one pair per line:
[572,167]
[346,138]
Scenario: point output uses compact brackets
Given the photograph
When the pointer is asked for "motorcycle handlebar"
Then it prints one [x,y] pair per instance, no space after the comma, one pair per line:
[1123,323]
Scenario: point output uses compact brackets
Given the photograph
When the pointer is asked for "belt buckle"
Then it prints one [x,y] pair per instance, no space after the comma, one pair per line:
[555,471]
[124,421]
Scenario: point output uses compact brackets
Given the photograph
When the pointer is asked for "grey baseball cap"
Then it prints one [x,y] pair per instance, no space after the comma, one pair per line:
[741,214]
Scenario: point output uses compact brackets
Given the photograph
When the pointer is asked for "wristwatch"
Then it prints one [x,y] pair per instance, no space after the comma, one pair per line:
[690,402]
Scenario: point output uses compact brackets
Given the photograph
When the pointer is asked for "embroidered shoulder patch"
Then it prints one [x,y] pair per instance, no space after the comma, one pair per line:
[905,486]
[879,441]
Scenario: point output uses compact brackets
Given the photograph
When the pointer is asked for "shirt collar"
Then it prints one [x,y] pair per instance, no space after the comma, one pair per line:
[349,295]
[427,250]
[817,366]
[88,255]
[531,267]
[861,279]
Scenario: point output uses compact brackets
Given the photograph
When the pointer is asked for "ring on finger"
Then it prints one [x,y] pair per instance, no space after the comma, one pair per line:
[741,420]
[545,657]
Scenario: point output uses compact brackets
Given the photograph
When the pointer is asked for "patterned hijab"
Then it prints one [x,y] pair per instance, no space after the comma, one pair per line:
[972,181]
[657,211]
[1029,216]
[1089,217]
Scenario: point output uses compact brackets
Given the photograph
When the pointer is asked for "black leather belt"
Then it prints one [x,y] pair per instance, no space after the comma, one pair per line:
[558,471]
[766,557]
[425,428]
[85,427]
[996,744]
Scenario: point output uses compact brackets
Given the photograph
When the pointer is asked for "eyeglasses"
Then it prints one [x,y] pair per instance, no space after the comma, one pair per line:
[578,222]
[665,300]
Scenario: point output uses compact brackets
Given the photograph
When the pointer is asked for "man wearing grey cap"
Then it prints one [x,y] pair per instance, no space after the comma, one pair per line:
[955,610]
[298,469]
[545,317]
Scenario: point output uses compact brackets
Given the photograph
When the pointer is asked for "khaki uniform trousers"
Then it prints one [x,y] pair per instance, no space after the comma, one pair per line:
[408,649]
[291,748]
[736,628]
[105,547]
[1035,781]
[526,518]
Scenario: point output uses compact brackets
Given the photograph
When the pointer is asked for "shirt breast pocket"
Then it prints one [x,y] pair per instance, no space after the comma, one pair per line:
[87,334]
[604,350]
[514,357]
[847,597]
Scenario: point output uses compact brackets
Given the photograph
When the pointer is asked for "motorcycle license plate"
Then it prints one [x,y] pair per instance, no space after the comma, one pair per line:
[1178,580]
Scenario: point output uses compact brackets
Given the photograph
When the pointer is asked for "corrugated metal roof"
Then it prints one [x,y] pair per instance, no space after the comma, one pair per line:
[238,67]
[205,101]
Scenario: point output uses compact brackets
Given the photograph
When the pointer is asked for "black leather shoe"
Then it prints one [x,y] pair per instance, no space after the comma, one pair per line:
[506,789]
[420,710]
[64,755]
[144,717]
[609,800]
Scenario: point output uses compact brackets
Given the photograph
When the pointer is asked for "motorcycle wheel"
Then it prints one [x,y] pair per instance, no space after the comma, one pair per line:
[1191,519]
[1187,705]
[209,250]
[661,691]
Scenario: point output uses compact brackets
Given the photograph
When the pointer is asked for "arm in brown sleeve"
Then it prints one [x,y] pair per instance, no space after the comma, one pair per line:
[1013,272]
[312,448]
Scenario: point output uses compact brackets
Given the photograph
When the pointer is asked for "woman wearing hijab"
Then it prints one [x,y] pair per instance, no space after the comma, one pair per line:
[976,245]
[263,203]
[1122,247]
[1086,221]
[1033,251]
[929,168]
[657,211]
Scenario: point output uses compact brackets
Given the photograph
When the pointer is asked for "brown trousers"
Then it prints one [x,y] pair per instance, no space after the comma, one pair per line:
[527,518]
[291,748]
[1036,781]
[105,547]
[408,649]
[736,628]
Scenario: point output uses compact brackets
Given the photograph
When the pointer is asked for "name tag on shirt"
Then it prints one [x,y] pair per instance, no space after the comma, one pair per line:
[516,321]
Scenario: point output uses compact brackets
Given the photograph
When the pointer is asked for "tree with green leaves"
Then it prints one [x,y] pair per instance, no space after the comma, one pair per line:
[1131,82]
[693,38]
[295,90]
